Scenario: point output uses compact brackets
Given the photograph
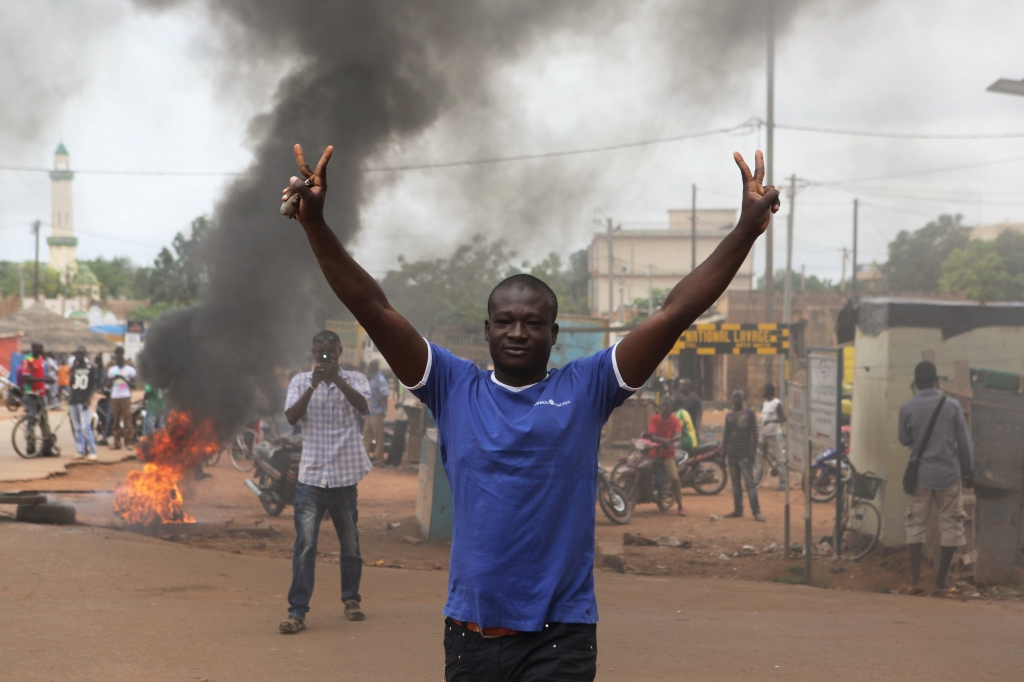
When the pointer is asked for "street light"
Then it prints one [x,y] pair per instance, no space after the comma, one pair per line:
[1007,86]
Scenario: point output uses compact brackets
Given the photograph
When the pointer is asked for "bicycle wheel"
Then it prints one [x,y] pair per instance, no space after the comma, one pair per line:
[711,478]
[27,437]
[665,498]
[863,523]
[242,448]
[615,503]
[627,482]
[212,460]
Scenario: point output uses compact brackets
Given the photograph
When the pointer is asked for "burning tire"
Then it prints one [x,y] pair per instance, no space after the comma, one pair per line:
[60,514]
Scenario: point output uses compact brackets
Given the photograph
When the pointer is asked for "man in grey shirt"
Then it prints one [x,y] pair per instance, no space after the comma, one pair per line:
[946,467]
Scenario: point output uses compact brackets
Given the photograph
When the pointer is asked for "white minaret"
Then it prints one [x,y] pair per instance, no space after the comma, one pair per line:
[63,242]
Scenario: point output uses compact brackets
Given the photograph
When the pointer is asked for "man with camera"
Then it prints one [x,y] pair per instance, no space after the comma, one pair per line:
[327,402]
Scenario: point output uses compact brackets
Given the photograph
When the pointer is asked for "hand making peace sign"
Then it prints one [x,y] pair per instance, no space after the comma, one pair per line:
[759,201]
[311,193]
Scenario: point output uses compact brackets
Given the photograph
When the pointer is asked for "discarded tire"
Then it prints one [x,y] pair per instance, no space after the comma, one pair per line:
[60,514]
[22,498]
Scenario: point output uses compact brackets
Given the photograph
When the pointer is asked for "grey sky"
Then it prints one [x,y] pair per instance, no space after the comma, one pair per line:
[149,91]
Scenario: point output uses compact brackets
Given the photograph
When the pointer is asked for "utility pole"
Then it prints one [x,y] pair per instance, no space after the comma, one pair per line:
[35,286]
[622,297]
[611,273]
[787,295]
[769,264]
[853,279]
[21,283]
[803,277]
[693,229]
[650,290]
[842,280]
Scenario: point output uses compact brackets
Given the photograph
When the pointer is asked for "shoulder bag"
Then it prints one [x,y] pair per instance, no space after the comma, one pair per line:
[910,475]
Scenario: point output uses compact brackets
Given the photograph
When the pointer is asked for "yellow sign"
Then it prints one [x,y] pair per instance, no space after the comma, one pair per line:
[728,338]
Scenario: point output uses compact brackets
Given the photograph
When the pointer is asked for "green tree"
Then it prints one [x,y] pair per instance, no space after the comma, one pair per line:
[176,279]
[810,283]
[119,277]
[49,279]
[570,285]
[916,258]
[449,292]
[987,271]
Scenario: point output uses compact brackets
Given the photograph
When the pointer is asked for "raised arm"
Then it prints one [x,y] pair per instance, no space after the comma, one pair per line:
[398,341]
[645,347]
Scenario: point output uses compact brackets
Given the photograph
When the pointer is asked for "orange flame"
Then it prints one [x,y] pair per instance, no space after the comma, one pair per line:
[151,496]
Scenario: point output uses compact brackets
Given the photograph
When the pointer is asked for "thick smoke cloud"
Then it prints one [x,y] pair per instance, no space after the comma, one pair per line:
[372,73]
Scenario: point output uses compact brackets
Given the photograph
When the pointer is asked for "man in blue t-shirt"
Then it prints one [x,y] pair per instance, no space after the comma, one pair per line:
[519,443]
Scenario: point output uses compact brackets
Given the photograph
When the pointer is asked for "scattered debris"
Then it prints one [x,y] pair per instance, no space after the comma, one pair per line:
[669,541]
[716,518]
[723,557]
[885,590]
[748,550]
[411,540]
[638,540]
[837,570]
[378,562]
[391,526]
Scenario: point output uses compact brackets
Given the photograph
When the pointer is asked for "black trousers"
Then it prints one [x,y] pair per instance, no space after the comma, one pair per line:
[561,652]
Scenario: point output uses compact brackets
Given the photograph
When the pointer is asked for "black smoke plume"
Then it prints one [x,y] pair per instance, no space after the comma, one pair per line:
[369,74]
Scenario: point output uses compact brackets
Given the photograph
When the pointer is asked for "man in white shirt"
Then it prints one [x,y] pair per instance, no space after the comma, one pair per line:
[772,415]
[121,380]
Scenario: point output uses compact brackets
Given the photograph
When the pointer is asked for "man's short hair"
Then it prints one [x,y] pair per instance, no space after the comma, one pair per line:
[925,374]
[525,282]
[328,336]
[769,389]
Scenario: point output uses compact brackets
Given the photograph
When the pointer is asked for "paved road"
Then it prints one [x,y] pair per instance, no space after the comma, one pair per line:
[91,604]
[15,468]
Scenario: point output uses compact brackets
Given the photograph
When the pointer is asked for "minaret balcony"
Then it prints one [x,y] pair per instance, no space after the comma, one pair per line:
[62,241]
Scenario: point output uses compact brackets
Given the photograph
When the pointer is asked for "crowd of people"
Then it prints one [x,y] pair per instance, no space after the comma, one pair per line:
[88,387]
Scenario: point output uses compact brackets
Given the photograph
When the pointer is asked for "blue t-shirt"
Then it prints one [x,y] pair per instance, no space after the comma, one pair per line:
[522,463]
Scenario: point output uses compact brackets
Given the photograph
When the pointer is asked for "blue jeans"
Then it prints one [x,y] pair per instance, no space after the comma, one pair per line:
[81,423]
[310,503]
[743,467]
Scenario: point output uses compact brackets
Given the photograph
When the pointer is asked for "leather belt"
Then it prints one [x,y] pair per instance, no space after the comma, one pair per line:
[489,633]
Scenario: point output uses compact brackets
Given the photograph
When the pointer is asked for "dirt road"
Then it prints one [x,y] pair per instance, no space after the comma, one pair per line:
[93,604]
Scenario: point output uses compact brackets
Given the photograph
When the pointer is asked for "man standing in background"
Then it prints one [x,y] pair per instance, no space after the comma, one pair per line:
[772,415]
[946,467]
[691,402]
[121,378]
[739,443]
[34,379]
[83,382]
[327,402]
[373,432]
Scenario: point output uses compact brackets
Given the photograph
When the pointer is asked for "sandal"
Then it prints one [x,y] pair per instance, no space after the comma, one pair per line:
[353,610]
[916,590]
[291,625]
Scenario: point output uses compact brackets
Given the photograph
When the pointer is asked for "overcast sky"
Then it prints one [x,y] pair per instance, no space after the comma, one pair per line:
[141,91]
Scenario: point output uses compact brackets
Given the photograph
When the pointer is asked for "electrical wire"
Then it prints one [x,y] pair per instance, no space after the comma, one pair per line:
[903,136]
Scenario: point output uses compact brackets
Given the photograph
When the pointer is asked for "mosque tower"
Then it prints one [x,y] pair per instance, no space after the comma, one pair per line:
[63,242]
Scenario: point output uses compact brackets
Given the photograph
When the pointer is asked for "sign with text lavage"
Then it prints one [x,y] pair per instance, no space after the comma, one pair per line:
[824,378]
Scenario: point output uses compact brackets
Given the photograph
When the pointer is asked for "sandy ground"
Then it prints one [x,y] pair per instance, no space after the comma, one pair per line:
[88,603]
[232,520]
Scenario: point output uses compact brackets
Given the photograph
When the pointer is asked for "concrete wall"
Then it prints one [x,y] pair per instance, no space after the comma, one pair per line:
[882,378]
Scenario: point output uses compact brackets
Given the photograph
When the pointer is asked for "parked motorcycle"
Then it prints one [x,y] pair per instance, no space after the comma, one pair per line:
[13,395]
[704,469]
[613,500]
[276,472]
[823,469]
[643,482]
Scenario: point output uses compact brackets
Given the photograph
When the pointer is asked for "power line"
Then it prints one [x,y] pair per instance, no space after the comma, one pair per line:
[905,136]
[917,173]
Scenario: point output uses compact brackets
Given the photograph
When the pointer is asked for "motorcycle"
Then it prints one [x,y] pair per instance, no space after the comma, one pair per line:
[704,469]
[14,395]
[613,499]
[642,482]
[276,472]
[823,469]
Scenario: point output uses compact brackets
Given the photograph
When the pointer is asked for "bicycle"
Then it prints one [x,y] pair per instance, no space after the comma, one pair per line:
[242,450]
[23,436]
[861,522]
